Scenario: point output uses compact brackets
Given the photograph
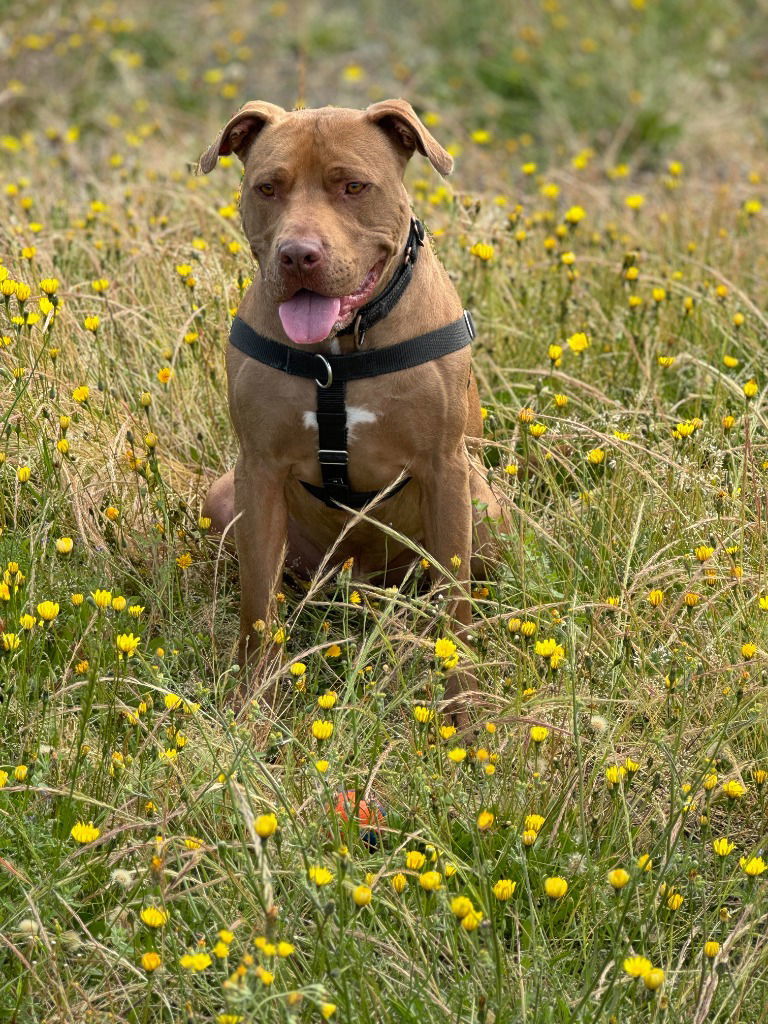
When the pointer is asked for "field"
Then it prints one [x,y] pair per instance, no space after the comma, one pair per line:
[592,849]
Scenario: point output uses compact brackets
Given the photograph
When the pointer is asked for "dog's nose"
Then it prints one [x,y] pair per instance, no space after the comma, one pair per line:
[300,253]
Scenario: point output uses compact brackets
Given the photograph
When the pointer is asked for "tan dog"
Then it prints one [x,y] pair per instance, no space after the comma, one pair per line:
[327,217]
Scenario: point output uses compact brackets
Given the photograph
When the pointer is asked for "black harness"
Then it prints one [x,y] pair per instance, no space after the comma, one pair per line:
[331,373]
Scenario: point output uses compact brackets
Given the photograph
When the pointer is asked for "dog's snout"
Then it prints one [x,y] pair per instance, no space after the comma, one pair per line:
[300,253]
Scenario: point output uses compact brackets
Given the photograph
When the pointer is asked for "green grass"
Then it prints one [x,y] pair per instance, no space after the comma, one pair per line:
[176,792]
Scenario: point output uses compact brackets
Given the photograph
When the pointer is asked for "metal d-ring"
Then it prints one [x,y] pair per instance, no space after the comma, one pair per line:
[328,370]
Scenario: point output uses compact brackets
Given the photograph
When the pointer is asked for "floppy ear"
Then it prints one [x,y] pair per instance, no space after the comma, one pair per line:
[238,133]
[399,120]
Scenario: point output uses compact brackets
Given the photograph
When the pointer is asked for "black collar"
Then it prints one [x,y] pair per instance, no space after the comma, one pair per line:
[383,304]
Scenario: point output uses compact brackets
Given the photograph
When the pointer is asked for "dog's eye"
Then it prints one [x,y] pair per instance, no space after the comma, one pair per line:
[354,188]
[266,189]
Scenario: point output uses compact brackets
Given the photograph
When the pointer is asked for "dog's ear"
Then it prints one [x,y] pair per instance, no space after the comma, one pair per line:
[400,121]
[239,132]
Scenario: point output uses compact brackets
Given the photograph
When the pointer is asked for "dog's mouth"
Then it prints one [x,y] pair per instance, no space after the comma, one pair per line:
[308,317]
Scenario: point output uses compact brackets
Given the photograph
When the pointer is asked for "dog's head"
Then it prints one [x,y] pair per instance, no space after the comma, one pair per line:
[323,204]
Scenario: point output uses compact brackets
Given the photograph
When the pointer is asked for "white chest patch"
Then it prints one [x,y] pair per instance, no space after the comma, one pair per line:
[356,414]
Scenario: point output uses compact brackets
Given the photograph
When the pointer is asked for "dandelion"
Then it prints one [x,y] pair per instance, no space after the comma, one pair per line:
[637,966]
[415,860]
[748,651]
[618,878]
[733,789]
[423,715]
[457,754]
[150,961]
[484,820]
[483,251]
[538,733]
[48,610]
[711,948]
[654,978]
[320,876]
[675,900]
[555,887]
[195,961]
[461,906]
[127,644]
[322,729]
[327,1010]
[750,389]
[84,832]
[634,202]
[578,342]
[471,921]
[362,895]
[91,323]
[399,882]
[431,881]
[504,889]
[265,825]
[723,846]
[154,917]
[753,866]
[327,700]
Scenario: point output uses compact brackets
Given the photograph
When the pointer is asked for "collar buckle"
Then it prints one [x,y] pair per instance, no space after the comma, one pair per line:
[358,330]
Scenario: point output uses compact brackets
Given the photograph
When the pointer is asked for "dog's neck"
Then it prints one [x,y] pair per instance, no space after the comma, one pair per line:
[411,316]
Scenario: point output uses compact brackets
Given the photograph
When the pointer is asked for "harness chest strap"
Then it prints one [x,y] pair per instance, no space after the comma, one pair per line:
[331,374]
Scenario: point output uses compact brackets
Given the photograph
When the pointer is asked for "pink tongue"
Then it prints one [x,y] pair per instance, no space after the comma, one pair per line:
[309,317]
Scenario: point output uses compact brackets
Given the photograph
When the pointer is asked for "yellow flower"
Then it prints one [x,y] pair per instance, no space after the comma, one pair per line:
[91,323]
[471,921]
[483,251]
[733,789]
[154,917]
[431,881]
[723,846]
[399,882]
[327,700]
[320,875]
[150,961]
[614,774]
[596,456]
[534,821]
[748,650]
[711,948]
[637,966]
[445,649]
[618,878]
[753,866]
[362,895]
[634,202]
[578,342]
[48,610]
[461,906]
[457,754]
[196,961]
[750,389]
[644,862]
[64,545]
[265,825]
[555,887]
[327,1010]
[414,860]
[102,598]
[574,215]
[20,773]
[538,733]
[23,473]
[85,833]
[656,597]
[322,766]
[127,644]
[654,978]
[322,729]
[504,889]
[675,900]
[485,819]
[3,778]
[423,715]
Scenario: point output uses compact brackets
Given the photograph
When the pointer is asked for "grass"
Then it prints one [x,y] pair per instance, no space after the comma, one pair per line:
[625,621]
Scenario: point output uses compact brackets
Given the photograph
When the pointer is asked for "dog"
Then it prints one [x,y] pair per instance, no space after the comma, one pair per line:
[338,401]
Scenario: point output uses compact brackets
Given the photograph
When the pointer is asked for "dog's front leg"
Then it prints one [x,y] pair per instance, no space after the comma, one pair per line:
[260,534]
[447,518]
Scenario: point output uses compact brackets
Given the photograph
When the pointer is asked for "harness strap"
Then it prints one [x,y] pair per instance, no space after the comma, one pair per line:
[373,363]
[333,454]
[330,374]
